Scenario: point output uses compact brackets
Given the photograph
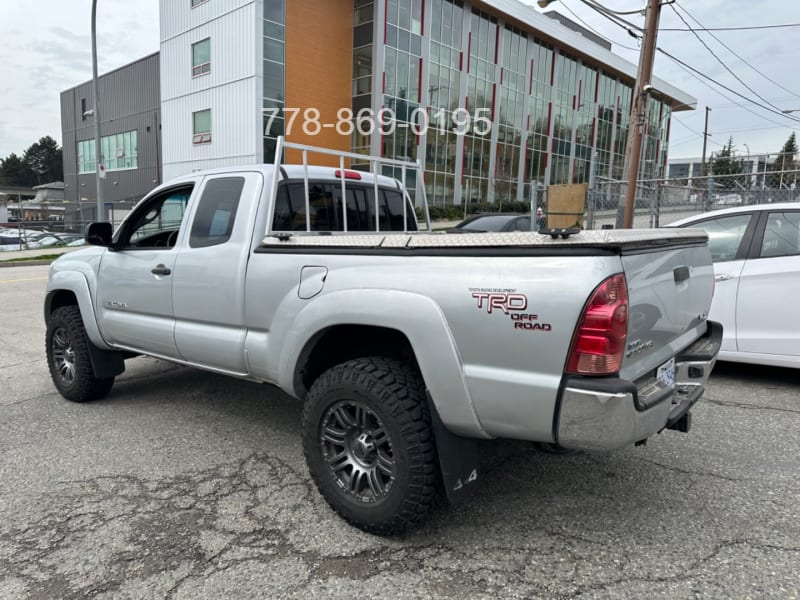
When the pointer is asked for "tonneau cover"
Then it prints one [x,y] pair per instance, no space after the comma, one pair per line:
[605,238]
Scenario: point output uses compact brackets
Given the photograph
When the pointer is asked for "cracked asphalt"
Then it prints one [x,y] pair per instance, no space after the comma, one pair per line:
[184,484]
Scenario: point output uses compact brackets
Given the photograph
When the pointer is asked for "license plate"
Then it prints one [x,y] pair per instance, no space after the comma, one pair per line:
[666,373]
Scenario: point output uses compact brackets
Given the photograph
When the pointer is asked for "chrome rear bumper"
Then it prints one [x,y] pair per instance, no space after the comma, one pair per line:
[606,414]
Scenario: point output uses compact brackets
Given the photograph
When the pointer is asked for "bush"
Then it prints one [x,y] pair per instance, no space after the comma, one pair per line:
[456,212]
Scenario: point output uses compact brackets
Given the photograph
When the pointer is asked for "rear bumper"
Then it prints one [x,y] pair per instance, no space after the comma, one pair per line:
[606,414]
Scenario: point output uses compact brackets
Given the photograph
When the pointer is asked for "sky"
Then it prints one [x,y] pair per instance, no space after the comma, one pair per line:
[47,49]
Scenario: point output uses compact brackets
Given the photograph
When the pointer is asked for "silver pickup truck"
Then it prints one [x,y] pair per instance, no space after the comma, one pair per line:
[406,347]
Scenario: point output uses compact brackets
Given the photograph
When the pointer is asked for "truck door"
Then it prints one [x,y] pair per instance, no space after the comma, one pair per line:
[134,291]
[209,280]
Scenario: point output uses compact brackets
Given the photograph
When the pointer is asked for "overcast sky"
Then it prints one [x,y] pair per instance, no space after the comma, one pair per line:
[46,49]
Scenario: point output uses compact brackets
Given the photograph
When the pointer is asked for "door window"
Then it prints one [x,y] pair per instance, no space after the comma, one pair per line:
[216,212]
[782,235]
[725,235]
[157,223]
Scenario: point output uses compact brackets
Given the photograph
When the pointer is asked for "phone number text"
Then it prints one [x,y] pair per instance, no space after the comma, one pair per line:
[367,121]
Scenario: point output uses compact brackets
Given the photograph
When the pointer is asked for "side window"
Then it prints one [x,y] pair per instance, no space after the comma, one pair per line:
[216,212]
[522,224]
[159,221]
[391,216]
[725,235]
[782,235]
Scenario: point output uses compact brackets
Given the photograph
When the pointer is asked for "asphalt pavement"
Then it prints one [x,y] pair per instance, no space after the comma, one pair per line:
[183,484]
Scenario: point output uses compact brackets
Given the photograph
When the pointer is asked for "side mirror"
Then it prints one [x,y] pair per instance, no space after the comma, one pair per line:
[99,234]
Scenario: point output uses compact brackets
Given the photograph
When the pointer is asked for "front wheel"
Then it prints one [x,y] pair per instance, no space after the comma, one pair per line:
[68,357]
[369,445]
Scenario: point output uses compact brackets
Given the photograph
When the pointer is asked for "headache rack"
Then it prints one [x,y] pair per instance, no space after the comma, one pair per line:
[375,163]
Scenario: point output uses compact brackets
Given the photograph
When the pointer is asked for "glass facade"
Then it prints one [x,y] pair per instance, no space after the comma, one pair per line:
[274,93]
[551,113]
[120,151]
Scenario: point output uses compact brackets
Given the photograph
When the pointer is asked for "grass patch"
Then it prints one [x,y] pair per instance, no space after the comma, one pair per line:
[50,257]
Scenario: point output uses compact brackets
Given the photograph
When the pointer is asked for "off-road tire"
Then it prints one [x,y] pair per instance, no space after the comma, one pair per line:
[394,394]
[68,359]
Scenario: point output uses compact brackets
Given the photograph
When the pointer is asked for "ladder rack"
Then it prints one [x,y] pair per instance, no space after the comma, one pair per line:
[374,163]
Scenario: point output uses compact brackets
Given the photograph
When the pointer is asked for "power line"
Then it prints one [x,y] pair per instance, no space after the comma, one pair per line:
[750,28]
[585,24]
[729,49]
[620,22]
[694,131]
[720,61]
[694,73]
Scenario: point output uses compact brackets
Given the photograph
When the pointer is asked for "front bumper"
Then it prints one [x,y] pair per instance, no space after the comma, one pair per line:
[606,414]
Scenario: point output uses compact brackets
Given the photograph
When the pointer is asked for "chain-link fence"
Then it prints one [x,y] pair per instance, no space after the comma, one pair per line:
[30,231]
[660,202]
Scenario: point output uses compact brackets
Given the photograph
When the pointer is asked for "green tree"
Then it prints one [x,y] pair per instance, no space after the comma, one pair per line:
[785,161]
[44,159]
[724,164]
[14,171]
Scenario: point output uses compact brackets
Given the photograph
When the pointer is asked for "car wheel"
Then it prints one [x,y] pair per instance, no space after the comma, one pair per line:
[68,358]
[369,446]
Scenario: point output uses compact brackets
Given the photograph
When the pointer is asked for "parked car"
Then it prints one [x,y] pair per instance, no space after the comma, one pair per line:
[406,347]
[493,222]
[756,253]
[728,199]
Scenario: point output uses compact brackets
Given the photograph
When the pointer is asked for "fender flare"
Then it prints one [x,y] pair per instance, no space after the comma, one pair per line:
[416,316]
[76,283]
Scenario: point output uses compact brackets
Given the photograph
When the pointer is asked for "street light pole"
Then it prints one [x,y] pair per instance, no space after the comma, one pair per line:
[633,147]
[99,168]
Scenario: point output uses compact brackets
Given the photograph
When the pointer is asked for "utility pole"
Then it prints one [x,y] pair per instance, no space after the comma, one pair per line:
[705,140]
[703,170]
[644,74]
[100,168]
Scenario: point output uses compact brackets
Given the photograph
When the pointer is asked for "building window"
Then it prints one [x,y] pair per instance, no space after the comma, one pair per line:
[83,109]
[201,58]
[202,127]
[196,3]
[274,75]
[120,152]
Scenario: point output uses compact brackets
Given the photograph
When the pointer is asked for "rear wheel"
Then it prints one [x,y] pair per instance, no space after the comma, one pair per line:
[369,445]
[68,358]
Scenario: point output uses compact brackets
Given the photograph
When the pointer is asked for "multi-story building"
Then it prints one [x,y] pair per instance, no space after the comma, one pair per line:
[493,98]
[130,140]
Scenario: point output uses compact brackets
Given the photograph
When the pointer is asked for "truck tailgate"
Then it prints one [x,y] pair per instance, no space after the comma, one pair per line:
[669,292]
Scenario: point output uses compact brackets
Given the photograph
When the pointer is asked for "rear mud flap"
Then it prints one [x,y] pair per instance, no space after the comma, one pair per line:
[458,460]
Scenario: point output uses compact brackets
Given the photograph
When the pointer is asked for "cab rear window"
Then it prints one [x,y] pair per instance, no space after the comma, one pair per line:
[325,208]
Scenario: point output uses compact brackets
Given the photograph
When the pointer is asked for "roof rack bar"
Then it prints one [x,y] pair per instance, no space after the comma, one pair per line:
[344,192]
[405,204]
[305,185]
[374,167]
[421,191]
[274,185]
[353,155]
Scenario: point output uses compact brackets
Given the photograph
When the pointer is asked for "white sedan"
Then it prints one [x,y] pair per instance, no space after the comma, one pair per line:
[756,254]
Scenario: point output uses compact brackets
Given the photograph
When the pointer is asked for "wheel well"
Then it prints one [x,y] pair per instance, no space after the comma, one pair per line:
[58,299]
[341,343]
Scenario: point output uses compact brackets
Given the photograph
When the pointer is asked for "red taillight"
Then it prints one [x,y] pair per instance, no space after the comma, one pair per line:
[347,174]
[599,342]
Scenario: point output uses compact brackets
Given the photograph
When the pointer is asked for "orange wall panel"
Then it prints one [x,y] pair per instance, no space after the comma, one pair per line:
[319,59]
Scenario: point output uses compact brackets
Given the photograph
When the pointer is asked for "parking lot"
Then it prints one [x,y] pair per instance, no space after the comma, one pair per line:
[190,485]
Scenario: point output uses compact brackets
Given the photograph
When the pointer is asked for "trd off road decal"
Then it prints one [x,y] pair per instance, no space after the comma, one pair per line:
[511,304]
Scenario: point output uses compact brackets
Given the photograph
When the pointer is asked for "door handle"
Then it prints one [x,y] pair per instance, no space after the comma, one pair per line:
[722,277]
[160,270]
